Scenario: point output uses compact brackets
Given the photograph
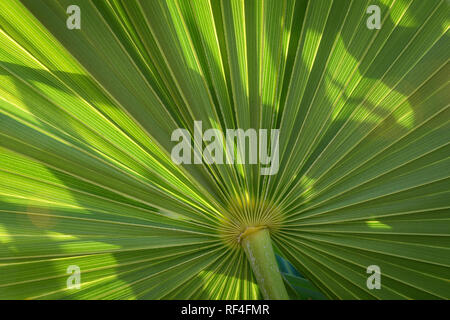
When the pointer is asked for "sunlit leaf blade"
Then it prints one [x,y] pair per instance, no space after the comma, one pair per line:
[87,179]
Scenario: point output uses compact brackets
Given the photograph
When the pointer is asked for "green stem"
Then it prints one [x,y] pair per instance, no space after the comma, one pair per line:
[258,248]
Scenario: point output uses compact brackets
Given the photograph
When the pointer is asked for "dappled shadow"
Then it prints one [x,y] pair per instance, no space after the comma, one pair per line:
[17,251]
[376,68]
[376,71]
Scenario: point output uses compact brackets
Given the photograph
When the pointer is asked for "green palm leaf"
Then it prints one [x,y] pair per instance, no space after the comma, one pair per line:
[87,179]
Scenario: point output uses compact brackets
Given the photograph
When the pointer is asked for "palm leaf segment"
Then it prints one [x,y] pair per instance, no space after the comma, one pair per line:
[87,179]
